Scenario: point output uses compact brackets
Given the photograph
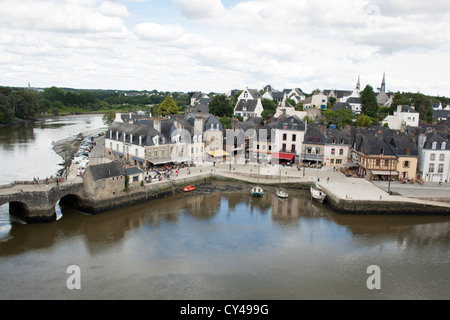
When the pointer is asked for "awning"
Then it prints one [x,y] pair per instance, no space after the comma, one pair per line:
[118,153]
[218,153]
[161,161]
[138,159]
[283,156]
[180,159]
[384,173]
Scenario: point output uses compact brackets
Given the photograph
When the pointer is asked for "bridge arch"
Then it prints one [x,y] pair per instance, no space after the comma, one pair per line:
[17,209]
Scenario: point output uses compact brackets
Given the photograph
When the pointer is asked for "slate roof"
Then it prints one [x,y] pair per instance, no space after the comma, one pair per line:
[290,123]
[439,139]
[105,170]
[133,171]
[338,93]
[147,132]
[354,100]
[250,105]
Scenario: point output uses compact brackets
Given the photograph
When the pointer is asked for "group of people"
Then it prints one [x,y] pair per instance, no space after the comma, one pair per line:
[57,179]
[164,172]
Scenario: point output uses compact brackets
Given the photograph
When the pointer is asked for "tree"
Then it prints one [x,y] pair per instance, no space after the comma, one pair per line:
[220,106]
[339,118]
[299,107]
[291,101]
[269,105]
[109,117]
[369,104]
[331,102]
[265,114]
[363,121]
[168,106]
[422,104]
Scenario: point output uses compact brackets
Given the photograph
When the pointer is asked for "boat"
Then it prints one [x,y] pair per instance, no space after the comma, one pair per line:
[188,188]
[58,211]
[318,193]
[257,191]
[282,193]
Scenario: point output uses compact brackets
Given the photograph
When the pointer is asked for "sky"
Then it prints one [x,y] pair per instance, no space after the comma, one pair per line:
[220,45]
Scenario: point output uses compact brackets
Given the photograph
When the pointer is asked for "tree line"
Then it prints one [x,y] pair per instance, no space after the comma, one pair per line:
[23,103]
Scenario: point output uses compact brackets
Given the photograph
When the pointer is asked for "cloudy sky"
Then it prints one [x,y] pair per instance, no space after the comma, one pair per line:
[219,45]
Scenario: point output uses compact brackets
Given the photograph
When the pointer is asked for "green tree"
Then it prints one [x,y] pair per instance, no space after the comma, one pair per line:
[269,105]
[331,102]
[221,106]
[363,121]
[266,114]
[299,107]
[339,118]
[291,102]
[168,106]
[369,104]
[108,117]
[422,104]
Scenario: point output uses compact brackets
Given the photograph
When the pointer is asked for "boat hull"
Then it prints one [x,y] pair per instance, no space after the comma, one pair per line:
[257,191]
[318,194]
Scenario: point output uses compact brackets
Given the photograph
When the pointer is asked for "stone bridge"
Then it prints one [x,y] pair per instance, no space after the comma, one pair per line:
[36,203]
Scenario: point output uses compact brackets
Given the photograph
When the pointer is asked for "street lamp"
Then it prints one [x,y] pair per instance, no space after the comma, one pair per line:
[390,169]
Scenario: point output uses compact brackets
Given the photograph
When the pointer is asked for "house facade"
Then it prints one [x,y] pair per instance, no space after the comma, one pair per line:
[434,157]
[337,149]
[403,117]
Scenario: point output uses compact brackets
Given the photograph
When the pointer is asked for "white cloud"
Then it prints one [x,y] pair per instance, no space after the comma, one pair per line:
[156,32]
[113,9]
[200,9]
[72,16]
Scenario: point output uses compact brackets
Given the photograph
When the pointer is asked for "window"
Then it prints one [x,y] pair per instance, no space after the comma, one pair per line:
[257,147]
[338,161]
[192,150]
[318,139]
[332,151]
[310,139]
[441,168]
[333,140]
[442,157]
[387,163]
[377,162]
[432,157]
[135,179]
[434,145]
[381,151]
[284,136]
[284,147]
[294,137]
[341,152]
[162,153]
[332,161]
[406,164]
[408,152]
[156,153]
[341,141]
[293,148]
[443,145]
[309,150]
[431,168]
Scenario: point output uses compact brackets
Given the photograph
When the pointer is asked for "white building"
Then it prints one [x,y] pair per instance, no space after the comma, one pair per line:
[434,157]
[288,138]
[404,116]
[249,104]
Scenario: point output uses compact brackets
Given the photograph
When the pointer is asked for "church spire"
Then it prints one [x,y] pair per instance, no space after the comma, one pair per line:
[383,83]
[358,86]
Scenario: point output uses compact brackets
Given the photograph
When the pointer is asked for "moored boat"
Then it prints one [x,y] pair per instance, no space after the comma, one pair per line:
[282,193]
[257,191]
[318,193]
[189,188]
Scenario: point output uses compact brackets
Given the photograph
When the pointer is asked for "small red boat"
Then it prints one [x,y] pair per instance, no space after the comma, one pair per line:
[188,188]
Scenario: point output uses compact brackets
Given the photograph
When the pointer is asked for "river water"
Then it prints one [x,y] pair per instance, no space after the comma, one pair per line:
[220,243]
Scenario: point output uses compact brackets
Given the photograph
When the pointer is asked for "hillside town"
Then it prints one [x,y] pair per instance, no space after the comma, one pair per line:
[400,147]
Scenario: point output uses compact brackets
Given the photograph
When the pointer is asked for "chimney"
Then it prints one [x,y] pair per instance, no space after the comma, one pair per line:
[157,124]
[198,124]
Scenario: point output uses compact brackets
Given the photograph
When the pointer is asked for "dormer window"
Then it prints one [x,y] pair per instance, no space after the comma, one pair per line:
[381,151]
[333,140]
[434,145]
[341,141]
[443,145]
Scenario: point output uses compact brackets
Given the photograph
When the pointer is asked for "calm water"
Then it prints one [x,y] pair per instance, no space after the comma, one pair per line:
[226,245]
